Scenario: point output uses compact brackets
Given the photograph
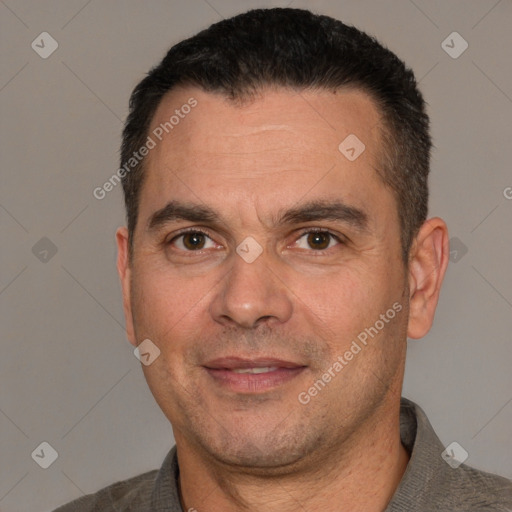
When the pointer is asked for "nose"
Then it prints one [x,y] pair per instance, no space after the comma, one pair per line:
[251,294]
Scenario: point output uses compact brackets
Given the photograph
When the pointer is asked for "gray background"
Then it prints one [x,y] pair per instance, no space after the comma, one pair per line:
[68,375]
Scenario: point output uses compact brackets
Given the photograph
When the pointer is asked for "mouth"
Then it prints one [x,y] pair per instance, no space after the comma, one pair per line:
[252,376]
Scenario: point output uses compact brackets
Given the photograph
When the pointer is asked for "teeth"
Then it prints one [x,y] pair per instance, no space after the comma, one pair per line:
[264,369]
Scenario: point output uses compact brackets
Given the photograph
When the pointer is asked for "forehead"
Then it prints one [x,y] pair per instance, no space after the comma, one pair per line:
[316,119]
[269,152]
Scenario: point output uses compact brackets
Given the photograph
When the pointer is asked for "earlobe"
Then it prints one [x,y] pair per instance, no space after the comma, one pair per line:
[427,267]
[124,271]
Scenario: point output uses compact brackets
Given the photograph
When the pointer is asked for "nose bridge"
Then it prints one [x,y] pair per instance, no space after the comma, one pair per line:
[251,292]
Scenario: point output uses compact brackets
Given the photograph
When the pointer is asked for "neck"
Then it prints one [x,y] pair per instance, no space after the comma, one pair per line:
[360,478]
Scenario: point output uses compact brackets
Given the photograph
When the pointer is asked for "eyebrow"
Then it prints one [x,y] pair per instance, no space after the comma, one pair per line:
[326,210]
[312,211]
[176,210]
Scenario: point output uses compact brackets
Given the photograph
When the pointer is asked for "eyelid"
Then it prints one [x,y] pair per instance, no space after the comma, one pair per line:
[192,229]
[338,236]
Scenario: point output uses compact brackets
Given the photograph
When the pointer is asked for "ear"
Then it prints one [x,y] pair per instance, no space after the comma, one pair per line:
[124,271]
[428,261]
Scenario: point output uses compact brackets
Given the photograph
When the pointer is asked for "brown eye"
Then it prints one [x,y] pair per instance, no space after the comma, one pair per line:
[319,240]
[194,241]
[191,241]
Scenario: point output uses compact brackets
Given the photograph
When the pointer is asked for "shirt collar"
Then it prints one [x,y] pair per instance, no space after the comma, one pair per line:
[427,475]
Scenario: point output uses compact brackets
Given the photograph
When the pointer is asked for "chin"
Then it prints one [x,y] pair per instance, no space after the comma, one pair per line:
[261,453]
[251,460]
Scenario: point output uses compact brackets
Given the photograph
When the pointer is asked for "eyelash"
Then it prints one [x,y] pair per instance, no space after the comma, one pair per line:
[303,232]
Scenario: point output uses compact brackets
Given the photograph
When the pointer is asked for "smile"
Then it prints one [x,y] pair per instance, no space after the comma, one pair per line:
[252,375]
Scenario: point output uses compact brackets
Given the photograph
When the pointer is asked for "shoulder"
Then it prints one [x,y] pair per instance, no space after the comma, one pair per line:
[132,495]
[481,490]
[432,483]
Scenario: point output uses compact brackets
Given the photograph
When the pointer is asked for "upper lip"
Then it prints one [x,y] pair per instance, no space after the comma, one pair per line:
[230,363]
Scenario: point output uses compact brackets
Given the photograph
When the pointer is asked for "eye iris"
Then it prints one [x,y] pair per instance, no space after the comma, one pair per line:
[318,240]
[193,241]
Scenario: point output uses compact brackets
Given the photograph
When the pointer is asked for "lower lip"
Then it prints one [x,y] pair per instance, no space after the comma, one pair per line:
[254,382]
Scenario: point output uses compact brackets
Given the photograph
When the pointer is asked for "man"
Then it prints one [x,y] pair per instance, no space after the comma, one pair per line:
[277,256]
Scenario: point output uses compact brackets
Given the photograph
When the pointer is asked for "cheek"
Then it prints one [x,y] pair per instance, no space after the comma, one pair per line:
[332,300]
[168,307]
[342,303]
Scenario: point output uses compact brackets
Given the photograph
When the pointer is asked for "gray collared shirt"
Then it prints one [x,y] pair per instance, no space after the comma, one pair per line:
[429,484]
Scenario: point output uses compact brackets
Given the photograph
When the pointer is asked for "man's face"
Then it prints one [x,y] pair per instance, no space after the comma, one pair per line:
[244,335]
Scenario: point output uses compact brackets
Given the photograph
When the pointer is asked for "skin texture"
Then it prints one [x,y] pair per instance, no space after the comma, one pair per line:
[262,449]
